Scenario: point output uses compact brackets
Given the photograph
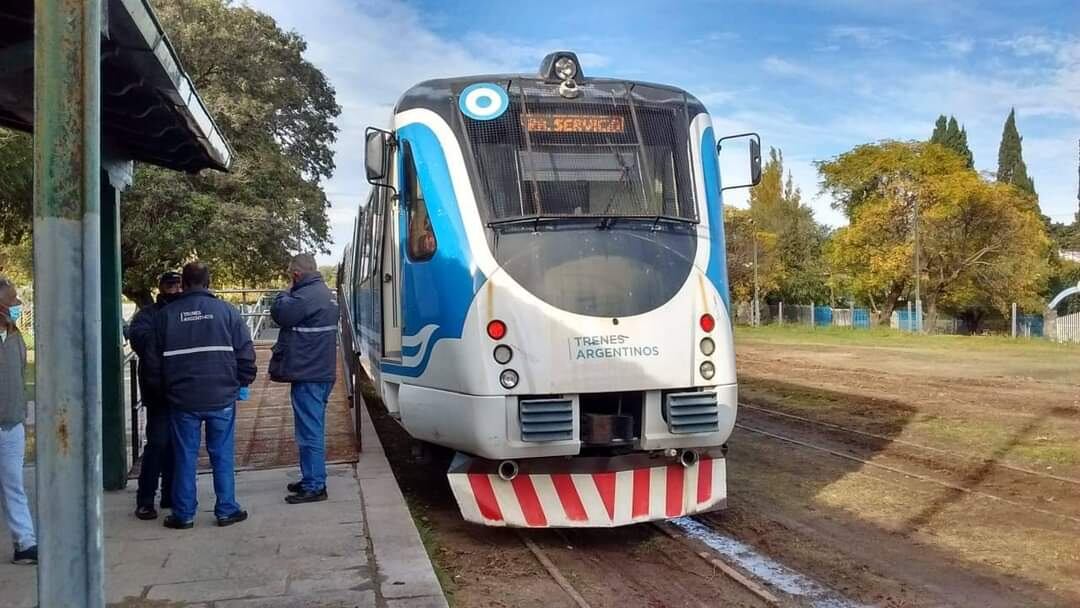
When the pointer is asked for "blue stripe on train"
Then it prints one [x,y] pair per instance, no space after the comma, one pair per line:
[714,200]
[440,290]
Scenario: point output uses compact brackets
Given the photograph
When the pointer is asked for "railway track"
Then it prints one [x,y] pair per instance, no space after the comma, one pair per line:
[957,455]
[772,583]
[913,475]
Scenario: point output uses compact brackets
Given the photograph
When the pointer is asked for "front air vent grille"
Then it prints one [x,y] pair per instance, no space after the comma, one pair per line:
[691,413]
[546,419]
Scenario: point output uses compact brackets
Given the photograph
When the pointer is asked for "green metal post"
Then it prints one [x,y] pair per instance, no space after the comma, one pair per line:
[113,435]
[67,294]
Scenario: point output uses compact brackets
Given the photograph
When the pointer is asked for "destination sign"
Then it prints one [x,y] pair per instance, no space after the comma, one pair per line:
[573,123]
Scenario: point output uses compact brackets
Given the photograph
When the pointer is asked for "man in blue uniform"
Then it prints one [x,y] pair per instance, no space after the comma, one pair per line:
[306,356]
[205,360]
[157,456]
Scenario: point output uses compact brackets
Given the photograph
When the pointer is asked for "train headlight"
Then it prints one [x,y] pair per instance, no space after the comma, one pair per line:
[565,68]
[508,378]
[708,347]
[503,354]
[708,370]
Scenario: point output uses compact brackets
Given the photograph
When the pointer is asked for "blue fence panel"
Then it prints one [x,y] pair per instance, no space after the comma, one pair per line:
[861,318]
[905,320]
[823,315]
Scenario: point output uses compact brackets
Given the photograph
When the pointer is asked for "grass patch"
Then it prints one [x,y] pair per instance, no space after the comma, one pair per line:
[886,337]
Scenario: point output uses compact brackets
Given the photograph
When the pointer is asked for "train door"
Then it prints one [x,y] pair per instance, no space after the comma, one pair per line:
[391,280]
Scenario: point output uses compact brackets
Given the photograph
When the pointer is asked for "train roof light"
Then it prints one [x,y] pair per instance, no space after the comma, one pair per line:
[565,68]
[556,65]
[496,330]
[707,322]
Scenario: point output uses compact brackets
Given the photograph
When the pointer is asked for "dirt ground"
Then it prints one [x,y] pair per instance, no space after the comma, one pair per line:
[997,422]
[952,411]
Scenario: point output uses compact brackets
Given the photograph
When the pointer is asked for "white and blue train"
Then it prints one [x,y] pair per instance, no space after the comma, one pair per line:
[538,282]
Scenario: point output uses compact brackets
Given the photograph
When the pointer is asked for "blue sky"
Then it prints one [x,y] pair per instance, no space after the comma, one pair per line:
[814,78]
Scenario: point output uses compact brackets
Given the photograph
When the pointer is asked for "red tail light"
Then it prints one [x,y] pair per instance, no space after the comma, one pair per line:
[708,323]
[496,330]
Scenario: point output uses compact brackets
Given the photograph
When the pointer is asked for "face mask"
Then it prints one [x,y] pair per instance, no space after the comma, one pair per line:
[14,312]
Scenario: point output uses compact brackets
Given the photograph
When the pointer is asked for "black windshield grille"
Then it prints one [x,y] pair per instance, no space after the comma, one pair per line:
[617,150]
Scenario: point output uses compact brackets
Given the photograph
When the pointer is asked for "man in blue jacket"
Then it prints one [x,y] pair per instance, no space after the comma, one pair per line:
[157,457]
[306,356]
[205,360]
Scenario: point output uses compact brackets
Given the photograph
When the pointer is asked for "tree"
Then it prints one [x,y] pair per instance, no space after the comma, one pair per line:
[740,232]
[795,268]
[980,242]
[950,134]
[16,186]
[1011,166]
[277,110]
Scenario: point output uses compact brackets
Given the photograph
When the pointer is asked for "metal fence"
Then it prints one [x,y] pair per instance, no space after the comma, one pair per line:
[1064,328]
[810,315]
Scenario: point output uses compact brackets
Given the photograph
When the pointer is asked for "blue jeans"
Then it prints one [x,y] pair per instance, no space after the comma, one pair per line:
[309,417]
[220,427]
[157,461]
[13,502]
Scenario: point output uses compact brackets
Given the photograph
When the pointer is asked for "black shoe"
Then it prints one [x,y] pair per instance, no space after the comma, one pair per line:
[304,496]
[295,487]
[232,519]
[145,513]
[26,557]
[174,522]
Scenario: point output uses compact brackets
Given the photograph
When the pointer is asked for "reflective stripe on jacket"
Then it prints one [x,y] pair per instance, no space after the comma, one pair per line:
[306,348]
[203,352]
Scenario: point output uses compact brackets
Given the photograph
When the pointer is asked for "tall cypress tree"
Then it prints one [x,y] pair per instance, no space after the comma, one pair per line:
[949,133]
[940,128]
[1011,166]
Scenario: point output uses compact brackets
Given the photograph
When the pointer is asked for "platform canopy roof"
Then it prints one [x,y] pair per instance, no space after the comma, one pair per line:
[150,110]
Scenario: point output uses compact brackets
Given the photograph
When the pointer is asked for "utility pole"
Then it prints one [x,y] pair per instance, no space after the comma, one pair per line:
[757,303]
[918,267]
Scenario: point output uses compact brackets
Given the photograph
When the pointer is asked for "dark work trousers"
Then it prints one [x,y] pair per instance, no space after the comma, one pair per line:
[157,460]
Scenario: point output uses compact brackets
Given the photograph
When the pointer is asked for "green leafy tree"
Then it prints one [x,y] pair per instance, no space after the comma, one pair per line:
[981,244]
[16,186]
[794,261]
[277,110]
[1011,166]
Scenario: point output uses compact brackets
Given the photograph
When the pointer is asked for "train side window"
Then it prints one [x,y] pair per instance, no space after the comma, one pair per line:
[422,242]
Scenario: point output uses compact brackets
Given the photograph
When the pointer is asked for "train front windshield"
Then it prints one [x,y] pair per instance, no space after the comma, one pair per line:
[616,150]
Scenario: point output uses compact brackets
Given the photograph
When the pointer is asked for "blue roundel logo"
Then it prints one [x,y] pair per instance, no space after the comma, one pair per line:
[483,101]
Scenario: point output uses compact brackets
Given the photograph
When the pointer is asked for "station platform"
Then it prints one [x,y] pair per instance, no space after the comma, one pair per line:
[358,549]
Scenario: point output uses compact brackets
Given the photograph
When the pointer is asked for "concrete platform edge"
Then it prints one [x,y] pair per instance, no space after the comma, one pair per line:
[403,568]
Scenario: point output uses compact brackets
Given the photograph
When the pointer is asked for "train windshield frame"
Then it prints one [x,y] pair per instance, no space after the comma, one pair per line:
[616,150]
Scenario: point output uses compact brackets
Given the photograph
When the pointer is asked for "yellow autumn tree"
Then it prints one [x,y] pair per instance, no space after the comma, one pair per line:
[979,241]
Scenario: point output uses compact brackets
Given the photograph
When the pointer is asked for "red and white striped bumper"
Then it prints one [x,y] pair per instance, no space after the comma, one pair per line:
[587,492]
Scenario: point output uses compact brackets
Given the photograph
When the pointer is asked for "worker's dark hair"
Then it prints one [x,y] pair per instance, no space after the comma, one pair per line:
[196,274]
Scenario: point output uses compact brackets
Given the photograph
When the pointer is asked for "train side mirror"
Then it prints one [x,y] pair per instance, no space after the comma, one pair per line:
[377,155]
[754,144]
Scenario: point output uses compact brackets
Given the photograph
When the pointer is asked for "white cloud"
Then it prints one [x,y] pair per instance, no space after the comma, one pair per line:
[959,46]
[1026,45]
[866,37]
